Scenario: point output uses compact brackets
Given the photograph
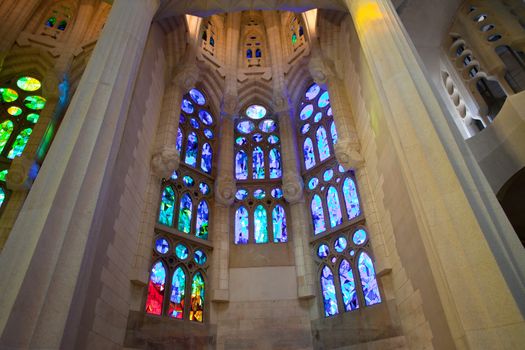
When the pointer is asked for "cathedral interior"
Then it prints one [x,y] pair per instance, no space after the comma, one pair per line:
[295,174]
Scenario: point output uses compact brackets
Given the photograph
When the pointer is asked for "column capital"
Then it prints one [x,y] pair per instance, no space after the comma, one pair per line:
[225,190]
[293,187]
[229,103]
[165,161]
[186,76]
[348,155]
[320,69]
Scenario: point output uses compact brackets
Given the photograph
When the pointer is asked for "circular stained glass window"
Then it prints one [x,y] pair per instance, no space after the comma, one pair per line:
[341,169]
[204,188]
[33,118]
[205,117]
[200,257]
[312,92]
[305,128]
[35,102]
[259,194]
[194,123]
[340,244]
[241,194]
[267,125]
[208,133]
[241,141]
[306,112]
[175,175]
[277,193]
[162,246]
[323,251]
[324,100]
[188,181]
[257,137]
[318,117]
[352,252]
[197,97]
[256,112]
[327,176]
[359,237]
[245,127]
[273,139]
[187,106]
[8,95]
[313,183]
[181,251]
[14,111]
[28,84]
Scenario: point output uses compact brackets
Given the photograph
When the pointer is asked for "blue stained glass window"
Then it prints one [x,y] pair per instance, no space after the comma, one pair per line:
[194,123]
[324,100]
[204,188]
[323,251]
[166,207]
[241,165]
[258,163]
[208,133]
[328,289]
[197,97]
[206,159]
[368,280]
[192,150]
[202,220]
[178,287]
[313,183]
[200,257]
[260,224]
[333,131]
[188,181]
[187,106]
[277,193]
[241,141]
[348,286]
[267,125]
[275,164]
[305,128]
[317,215]
[241,225]
[257,137]
[249,53]
[312,92]
[306,112]
[273,139]
[178,145]
[318,117]
[241,194]
[279,224]
[256,112]
[259,194]
[308,151]
[246,127]
[185,213]
[162,246]
[258,53]
[205,117]
[328,174]
[334,208]
[322,143]
[351,200]
[359,237]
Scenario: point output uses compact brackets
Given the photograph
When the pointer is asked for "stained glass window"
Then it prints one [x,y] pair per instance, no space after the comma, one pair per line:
[351,200]
[178,286]
[318,215]
[156,289]
[348,289]
[258,163]
[308,150]
[166,207]
[260,225]
[279,224]
[322,144]
[334,208]
[368,280]
[328,291]
[197,298]
[206,159]
[241,225]
[6,128]
[185,213]
[275,164]
[192,149]
[202,220]
[241,165]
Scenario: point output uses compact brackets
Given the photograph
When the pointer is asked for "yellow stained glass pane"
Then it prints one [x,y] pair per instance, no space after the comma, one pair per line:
[8,95]
[14,110]
[28,84]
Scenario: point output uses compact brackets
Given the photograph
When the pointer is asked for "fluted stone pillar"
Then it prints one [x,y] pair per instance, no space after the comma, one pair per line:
[450,197]
[347,149]
[50,245]
[224,197]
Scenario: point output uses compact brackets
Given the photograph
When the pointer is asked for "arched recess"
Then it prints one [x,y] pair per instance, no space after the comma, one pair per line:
[511,197]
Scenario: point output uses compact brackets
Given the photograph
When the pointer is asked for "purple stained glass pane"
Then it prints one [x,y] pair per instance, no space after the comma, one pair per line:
[308,151]
[306,112]
[203,214]
[334,207]
[259,194]
[348,286]
[241,141]
[204,188]
[241,226]
[205,117]
[328,289]
[368,280]
[312,92]
[277,193]
[275,164]
[256,112]
[206,159]
[258,163]
[279,224]
[241,165]
[317,215]
[351,200]
[340,244]
[187,106]
[178,144]
[333,131]
[324,100]
[257,137]
[192,147]
[322,143]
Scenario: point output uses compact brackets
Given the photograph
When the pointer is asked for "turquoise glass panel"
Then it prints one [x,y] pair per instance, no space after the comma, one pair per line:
[368,280]
[351,199]
[203,214]
[185,213]
[306,112]
[324,100]
[359,237]
[178,288]
[334,207]
[241,194]
[346,278]
[166,207]
[260,224]
[2,196]
[241,225]
[328,290]
[200,257]
[279,224]
[181,251]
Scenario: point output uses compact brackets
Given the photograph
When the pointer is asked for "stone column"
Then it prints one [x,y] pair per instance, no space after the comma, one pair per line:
[50,245]
[224,197]
[347,149]
[459,220]
[15,15]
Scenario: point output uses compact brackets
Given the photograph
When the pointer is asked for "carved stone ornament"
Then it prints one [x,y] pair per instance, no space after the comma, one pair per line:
[165,161]
[21,174]
[348,155]
[186,76]
[318,69]
[230,101]
[292,187]
[225,190]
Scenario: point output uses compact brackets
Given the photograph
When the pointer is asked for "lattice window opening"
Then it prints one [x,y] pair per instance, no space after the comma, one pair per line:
[317,131]
[186,202]
[257,149]
[346,272]
[297,34]
[254,51]
[209,37]
[196,133]
[260,215]
[178,279]
[57,20]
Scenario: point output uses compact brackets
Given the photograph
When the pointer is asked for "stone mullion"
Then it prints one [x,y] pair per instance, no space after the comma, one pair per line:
[49,241]
[436,166]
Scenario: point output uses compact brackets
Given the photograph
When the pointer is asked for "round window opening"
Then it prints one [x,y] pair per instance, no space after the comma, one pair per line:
[256,112]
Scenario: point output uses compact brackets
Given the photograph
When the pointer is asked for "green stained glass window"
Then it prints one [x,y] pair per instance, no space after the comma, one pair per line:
[8,95]
[28,84]
[2,196]
[185,213]
[35,102]
[6,128]
[294,38]
[3,175]
[14,111]
[166,207]
[33,117]
[19,144]
[51,22]
[197,298]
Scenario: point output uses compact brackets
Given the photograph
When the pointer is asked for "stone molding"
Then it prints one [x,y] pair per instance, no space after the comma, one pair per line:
[225,190]
[293,187]
[165,161]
